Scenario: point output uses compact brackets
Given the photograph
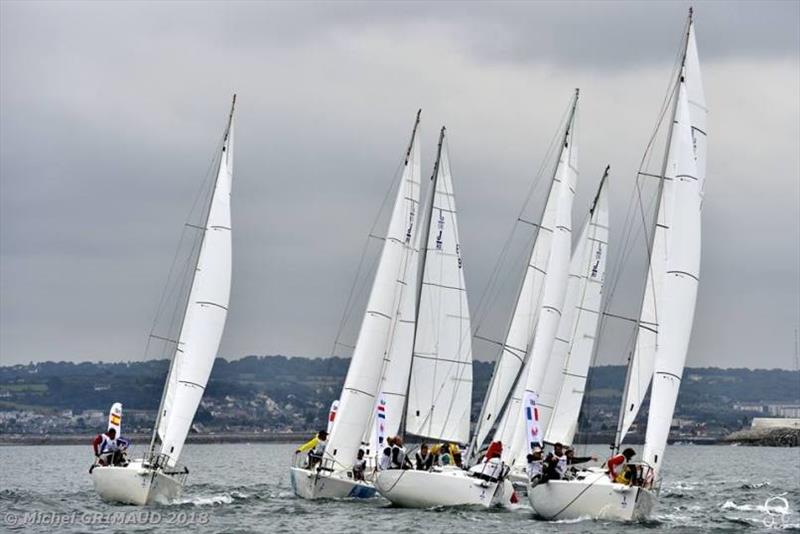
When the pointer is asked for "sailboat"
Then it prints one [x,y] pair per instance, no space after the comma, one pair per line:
[518,378]
[158,477]
[378,352]
[665,320]
[440,384]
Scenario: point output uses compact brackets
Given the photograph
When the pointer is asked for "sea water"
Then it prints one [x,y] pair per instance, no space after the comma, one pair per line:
[246,488]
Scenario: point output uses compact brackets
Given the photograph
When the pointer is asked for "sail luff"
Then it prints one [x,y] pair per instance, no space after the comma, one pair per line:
[578,330]
[205,313]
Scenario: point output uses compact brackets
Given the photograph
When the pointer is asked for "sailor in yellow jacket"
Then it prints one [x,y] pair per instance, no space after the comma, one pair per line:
[315,448]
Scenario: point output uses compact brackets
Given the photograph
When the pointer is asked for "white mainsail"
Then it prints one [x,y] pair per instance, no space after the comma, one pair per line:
[204,318]
[575,342]
[522,327]
[397,360]
[681,276]
[555,288]
[363,379]
[642,363]
[440,386]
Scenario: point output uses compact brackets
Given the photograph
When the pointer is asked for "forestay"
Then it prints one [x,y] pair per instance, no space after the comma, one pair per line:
[440,387]
[204,318]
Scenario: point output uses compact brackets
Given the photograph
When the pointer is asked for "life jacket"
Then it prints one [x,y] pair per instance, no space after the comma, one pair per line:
[319,447]
[107,445]
[534,468]
[398,457]
[561,465]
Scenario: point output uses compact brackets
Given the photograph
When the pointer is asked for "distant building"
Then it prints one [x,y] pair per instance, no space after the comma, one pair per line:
[784,410]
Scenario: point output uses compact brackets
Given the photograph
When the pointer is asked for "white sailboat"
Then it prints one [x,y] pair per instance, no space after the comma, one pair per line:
[378,354]
[440,385]
[665,321]
[157,477]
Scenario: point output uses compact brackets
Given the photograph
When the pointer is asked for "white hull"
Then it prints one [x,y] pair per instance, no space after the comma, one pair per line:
[135,484]
[448,487]
[311,485]
[595,496]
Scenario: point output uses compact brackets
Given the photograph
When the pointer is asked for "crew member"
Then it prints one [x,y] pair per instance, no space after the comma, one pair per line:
[110,449]
[360,466]
[399,457]
[315,448]
[535,465]
[556,463]
[491,468]
[618,466]
[424,458]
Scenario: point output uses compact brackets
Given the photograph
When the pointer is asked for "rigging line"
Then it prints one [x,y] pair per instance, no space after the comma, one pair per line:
[346,313]
[535,184]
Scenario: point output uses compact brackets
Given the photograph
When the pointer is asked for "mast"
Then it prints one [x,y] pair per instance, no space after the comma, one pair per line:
[204,228]
[619,435]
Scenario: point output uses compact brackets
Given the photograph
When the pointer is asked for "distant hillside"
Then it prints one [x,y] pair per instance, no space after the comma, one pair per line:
[277,393]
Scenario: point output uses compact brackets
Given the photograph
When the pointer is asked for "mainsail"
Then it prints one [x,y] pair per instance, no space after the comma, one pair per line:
[204,316]
[575,342]
[391,399]
[685,156]
[523,320]
[681,276]
[440,386]
[512,430]
[363,379]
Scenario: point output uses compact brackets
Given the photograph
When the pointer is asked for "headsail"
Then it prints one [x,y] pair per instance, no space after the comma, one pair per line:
[206,311]
[522,326]
[575,342]
[511,430]
[440,387]
[364,374]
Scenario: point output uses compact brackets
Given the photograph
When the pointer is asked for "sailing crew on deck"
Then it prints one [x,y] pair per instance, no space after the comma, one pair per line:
[555,465]
[424,458]
[618,467]
[385,460]
[455,454]
[535,465]
[444,455]
[110,449]
[491,468]
[360,466]
[399,456]
[315,447]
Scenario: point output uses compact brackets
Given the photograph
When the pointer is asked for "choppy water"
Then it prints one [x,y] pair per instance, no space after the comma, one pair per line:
[245,488]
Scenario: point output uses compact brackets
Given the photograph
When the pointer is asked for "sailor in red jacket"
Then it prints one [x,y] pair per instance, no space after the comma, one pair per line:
[616,465]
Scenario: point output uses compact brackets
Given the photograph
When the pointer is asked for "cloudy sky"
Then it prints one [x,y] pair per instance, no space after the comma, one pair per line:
[110,113]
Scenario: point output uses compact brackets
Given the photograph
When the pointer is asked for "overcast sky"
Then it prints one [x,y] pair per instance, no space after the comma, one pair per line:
[110,113]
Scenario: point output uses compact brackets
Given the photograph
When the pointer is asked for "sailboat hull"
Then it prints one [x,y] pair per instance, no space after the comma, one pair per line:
[135,484]
[310,485]
[449,487]
[595,496]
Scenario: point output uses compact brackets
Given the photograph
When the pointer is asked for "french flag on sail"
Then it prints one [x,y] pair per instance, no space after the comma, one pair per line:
[380,421]
[532,418]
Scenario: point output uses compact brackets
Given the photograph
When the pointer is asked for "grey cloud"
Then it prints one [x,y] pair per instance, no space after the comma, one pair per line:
[110,114]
